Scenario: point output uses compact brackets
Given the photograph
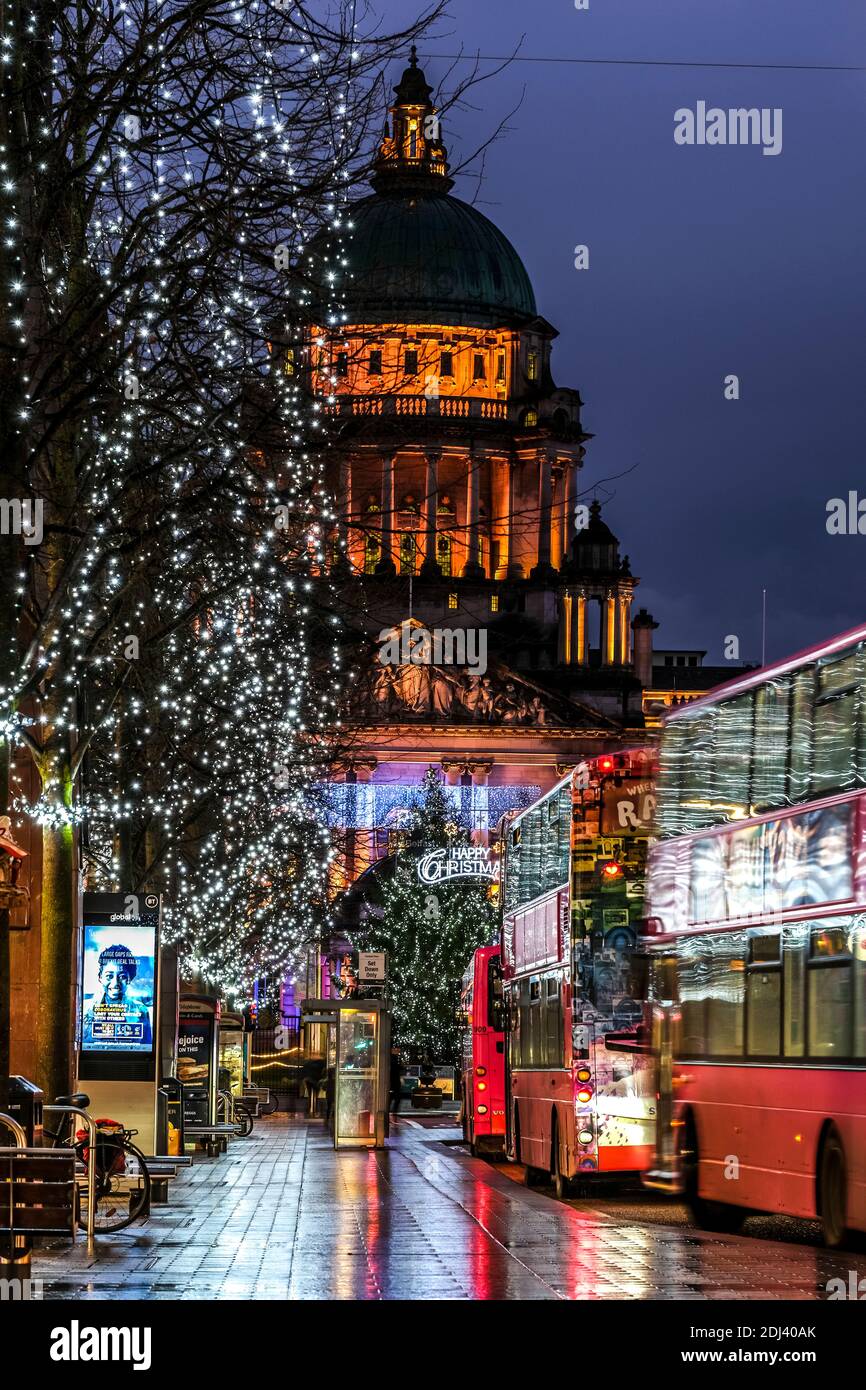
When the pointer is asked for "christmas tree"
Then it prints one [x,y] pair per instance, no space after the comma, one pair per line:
[429,932]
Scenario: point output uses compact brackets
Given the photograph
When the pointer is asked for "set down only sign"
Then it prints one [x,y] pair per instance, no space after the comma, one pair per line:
[371,967]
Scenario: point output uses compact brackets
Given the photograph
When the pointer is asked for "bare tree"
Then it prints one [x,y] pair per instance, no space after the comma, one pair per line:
[165,165]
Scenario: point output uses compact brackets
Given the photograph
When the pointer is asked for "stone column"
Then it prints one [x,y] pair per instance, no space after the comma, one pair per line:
[564,653]
[386,559]
[343,538]
[579,646]
[361,836]
[515,568]
[473,569]
[608,646]
[430,568]
[480,773]
[624,629]
[544,569]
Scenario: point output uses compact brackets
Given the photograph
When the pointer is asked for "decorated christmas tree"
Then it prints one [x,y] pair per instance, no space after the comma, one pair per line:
[428,931]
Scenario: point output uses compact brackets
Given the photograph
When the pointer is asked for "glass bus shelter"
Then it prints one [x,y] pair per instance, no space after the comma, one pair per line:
[359,1049]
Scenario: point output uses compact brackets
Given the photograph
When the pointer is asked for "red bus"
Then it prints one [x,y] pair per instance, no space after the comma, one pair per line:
[757,914]
[483,1085]
[579,1082]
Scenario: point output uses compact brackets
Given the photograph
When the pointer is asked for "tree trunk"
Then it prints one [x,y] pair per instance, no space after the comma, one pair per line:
[57,972]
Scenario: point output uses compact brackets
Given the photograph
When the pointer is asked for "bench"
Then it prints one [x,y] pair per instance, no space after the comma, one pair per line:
[37,1198]
[163,1169]
[213,1138]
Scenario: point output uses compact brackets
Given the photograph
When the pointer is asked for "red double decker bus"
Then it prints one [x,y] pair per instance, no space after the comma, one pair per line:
[579,1082]
[757,909]
[482,1013]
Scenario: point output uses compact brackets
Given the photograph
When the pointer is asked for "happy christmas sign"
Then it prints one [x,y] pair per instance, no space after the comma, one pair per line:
[461,861]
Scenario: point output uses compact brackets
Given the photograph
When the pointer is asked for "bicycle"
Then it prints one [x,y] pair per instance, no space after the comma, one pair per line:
[243,1115]
[122,1177]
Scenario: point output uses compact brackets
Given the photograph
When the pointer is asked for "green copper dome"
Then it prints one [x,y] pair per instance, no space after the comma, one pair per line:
[414,254]
[419,256]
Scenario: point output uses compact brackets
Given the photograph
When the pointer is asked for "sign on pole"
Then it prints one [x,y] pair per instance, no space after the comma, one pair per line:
[371,967]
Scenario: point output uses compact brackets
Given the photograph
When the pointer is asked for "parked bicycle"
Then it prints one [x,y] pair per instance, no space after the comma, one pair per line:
[122,1178]
[234,1112]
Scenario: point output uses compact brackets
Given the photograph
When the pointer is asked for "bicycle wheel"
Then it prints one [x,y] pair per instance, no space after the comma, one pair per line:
[244,1118]
[122,1186]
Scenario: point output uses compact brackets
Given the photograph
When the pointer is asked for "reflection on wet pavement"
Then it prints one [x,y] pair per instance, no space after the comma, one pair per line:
[285,1216]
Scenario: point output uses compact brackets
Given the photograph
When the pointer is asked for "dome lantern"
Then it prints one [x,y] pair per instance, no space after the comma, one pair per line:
[412,150]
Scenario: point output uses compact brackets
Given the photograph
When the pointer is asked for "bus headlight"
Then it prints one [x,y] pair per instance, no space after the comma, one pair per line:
[481,1109]
[585,1136]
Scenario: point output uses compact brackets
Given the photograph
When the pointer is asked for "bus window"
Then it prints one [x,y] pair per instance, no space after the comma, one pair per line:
[764,995]
[730,783]
[802,730]
[836,724]
[536,1024]
[769,773]
[725,994]
[692,989]
[495,1001]
[794,965]
[829,992]
[553,1023]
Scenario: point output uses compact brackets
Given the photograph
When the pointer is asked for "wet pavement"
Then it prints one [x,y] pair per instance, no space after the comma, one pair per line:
[283,1216]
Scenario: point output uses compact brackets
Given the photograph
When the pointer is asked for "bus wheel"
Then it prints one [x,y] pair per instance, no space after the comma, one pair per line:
[561,1184]
[833,1190]
[710,1216]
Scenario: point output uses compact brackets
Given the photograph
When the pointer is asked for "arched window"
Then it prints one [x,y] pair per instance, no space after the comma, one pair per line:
[408,552]
[372,554]
[443,554]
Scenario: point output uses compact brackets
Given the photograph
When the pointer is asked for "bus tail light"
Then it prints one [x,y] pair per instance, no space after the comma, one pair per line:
[481,1085]
[585,1136]
[584,1074]
[480,1071]
[584,1095]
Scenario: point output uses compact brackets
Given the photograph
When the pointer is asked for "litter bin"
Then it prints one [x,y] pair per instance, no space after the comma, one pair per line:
[25,1106]
[170,1116]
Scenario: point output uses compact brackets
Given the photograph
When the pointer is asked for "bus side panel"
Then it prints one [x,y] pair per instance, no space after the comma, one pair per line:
[759,1133]
[532,1097]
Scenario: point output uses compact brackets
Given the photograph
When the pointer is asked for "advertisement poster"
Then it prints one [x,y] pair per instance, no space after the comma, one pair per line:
[117,1012]
[194,1045]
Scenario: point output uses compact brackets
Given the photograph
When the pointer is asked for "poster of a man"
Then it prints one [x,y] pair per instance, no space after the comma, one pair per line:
[118,989]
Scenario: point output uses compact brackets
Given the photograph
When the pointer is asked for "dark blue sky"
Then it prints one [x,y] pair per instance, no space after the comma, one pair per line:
[703,262]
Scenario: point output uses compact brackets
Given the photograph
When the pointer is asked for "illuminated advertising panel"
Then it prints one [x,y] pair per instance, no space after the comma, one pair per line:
[118,987]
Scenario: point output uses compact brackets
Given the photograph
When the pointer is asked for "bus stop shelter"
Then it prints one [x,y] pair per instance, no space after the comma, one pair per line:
[358,1046]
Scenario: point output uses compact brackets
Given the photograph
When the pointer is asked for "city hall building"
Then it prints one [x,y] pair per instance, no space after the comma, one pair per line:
[458,464]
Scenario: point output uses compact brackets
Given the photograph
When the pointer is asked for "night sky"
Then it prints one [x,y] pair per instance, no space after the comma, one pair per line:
[703,262]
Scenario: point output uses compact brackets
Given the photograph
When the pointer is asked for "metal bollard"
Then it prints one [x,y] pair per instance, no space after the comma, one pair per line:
[15,1262]
[91,1166]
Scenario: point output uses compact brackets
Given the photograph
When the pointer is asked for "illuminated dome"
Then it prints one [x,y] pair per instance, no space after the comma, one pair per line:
[417,255]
